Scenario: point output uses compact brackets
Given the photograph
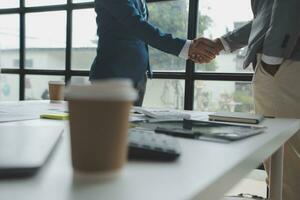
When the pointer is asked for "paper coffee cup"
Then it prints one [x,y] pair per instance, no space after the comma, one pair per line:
[99,124]
[56,91]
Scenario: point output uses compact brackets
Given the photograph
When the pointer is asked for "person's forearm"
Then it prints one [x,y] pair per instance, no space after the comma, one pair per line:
[238,38]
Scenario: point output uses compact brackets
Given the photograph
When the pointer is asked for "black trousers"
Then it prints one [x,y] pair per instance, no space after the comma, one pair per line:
[141,88]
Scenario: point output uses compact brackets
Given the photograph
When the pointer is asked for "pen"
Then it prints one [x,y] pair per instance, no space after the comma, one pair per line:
[176,133]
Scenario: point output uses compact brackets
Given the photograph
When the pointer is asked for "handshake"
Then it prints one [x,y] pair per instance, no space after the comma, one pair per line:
[203,50]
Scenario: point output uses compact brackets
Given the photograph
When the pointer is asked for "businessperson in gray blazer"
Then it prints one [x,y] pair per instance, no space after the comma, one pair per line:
[124,34]
[273,40]
[274,32]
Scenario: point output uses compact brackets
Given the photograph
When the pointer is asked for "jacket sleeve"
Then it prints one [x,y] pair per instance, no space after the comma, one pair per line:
[239,37]
[284,29]
[125,12]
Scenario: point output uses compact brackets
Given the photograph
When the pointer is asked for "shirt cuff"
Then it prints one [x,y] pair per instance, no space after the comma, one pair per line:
[184,53]
[271,60]
[225,45]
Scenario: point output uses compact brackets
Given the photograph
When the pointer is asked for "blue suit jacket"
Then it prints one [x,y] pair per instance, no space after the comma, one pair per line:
[124,34]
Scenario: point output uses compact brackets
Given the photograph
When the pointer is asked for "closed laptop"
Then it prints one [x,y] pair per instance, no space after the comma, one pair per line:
[24,149]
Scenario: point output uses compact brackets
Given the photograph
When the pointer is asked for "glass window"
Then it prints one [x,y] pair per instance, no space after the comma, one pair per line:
[9,87]
[36,87]
[84,39]
[81,80]
[28,63]
[164,93]
[170,17]
[46,39]
[29,3]
[9,40]
[9,4]
[223,96]
[214,21]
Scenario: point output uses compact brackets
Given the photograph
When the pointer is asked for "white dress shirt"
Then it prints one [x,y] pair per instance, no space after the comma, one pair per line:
[184,53]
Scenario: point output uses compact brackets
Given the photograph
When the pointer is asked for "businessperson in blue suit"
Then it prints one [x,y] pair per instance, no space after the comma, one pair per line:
[124,35]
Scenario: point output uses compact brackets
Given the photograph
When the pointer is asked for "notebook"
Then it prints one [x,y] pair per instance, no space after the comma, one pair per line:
[237,117]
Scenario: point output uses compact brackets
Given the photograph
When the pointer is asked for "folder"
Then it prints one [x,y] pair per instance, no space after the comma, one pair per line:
[237,117]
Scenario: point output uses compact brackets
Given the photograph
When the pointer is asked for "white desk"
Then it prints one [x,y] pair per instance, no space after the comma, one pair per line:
[204,171]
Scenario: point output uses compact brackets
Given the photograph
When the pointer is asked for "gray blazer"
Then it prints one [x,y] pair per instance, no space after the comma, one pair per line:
[274,31]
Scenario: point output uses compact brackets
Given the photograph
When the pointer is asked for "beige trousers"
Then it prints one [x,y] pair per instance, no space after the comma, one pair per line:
[279,96]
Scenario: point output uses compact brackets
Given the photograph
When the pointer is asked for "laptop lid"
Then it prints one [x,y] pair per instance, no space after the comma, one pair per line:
[24,149]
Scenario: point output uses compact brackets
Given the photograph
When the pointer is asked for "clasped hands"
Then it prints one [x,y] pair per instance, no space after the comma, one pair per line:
[203,50]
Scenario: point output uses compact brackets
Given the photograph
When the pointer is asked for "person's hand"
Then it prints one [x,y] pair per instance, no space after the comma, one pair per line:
[270,69]
[203,50]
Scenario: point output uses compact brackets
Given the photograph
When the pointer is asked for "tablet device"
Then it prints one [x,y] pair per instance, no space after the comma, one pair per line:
[206,130]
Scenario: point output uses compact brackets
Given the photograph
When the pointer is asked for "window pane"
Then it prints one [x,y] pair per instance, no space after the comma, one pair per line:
[164,93]
[9,86]
[171,17]
[84,39]
[81,80]
[82,1]
[36,87]
[29,3]
[9,41]
[216,20]
[9,4]
[223,96]
[46,40]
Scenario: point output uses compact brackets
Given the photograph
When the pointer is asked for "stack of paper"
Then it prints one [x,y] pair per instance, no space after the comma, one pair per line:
[18,111]
[162,113]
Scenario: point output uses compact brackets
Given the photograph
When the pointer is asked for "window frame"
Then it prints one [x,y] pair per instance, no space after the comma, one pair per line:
[189,76]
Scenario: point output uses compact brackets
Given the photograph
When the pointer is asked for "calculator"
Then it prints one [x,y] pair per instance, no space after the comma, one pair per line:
[145,144]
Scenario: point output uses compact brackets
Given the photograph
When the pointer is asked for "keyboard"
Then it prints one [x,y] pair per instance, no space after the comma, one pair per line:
[145,144]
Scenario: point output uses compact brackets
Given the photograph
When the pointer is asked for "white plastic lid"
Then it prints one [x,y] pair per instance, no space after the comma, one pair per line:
[110,89]
[57,82]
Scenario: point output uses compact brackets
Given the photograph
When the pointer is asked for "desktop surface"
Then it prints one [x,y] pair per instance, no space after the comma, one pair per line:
[205,170]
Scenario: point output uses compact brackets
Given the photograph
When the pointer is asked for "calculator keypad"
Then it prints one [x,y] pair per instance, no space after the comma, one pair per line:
[146,144]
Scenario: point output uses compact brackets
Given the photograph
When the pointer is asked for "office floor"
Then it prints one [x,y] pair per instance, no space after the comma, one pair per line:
[254,183]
